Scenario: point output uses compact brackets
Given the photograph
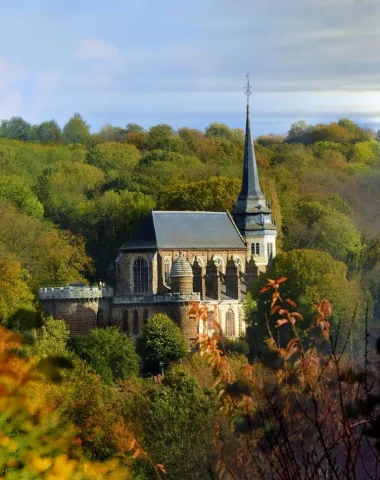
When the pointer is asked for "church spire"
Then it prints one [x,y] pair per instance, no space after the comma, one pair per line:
[250,189]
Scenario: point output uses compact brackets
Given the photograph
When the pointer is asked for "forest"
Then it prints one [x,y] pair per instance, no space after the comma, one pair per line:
[296,398]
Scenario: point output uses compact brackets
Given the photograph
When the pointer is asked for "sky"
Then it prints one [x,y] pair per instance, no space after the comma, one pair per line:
[184,63]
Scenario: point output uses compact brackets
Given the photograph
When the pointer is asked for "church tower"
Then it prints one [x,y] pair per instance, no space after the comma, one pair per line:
[251,212]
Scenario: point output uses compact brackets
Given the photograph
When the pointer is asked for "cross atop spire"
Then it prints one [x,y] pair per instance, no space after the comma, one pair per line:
[248,90]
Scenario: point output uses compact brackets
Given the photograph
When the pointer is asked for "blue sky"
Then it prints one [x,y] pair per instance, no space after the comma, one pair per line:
[184,63]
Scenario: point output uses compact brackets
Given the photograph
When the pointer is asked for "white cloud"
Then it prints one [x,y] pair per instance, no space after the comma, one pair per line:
[95,49]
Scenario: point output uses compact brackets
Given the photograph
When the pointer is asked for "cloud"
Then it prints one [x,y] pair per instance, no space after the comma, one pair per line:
[95,49]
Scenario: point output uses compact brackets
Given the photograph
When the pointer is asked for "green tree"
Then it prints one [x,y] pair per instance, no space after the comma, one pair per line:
[17,128]
[313,275]
[15,295]
[161,341]
[49,132]
[109,352]
[365,152]
[296,131]
[108,133]
[107,221]
[133,127]
[76,130]
[160,168]
[220,130]
[66,186]
[163,137]
[319,226]
[52,338]
[215,195]
[14,190]
[178,422]
[116,160]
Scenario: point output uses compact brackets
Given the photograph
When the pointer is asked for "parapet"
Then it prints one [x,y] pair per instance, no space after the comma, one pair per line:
[60,293]
[160,298]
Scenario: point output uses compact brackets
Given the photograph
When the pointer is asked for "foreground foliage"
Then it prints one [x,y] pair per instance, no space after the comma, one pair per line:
[304,409]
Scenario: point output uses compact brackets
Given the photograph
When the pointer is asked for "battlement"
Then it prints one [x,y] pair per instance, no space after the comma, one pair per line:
[60,293]
[164,298]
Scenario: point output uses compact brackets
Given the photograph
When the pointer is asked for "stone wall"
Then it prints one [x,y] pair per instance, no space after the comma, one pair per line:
[83,308]
[80,315]
[130,317]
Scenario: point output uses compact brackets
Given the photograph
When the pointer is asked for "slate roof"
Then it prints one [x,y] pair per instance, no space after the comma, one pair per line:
[185,230]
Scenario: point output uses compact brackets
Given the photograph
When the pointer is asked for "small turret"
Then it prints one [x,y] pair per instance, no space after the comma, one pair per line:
[181,276]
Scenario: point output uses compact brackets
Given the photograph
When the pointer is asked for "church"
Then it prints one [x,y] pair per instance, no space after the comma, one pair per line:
[177,258]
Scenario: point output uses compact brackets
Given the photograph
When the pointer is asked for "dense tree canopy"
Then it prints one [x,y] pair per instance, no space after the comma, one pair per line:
[109,352]
[69,199]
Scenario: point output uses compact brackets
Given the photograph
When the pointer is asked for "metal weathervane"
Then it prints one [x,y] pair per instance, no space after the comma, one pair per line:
[248,90]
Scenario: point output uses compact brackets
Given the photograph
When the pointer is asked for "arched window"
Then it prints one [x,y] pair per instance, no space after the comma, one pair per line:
[136,328]
[269,250]
[230,323]
[167,270]
[140,275]
[257,249]
[252,248]
[145,314]
[125,324]
[219,263]
[237,261]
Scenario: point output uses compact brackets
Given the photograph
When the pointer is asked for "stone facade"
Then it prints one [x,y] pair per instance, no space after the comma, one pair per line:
[83,308]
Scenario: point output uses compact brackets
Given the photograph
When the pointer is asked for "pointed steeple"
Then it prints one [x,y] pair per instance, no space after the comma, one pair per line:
[250,185]
[251,194]
[251,213]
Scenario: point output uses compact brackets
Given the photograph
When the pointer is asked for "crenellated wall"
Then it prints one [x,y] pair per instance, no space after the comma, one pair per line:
[83,308]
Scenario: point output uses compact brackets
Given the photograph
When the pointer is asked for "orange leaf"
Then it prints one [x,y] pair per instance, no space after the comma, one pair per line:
[265,289]
[136,453]
[325,334]
[132,444]
[291,302]
[161,468]
[275,309]
[281,280]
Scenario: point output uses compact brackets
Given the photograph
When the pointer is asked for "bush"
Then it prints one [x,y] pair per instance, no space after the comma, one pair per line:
[109,352]
[161,341]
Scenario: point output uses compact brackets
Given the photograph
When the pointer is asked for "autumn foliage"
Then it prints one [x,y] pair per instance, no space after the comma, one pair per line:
[301,411]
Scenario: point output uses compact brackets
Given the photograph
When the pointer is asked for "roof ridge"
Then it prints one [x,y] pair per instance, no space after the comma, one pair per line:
[185,211]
